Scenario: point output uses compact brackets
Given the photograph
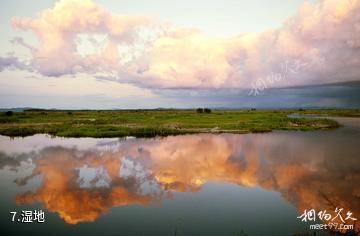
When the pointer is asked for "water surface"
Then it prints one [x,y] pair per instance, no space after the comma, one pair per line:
[204,184]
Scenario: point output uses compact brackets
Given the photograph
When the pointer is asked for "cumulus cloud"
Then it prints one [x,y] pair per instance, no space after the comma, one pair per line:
[320,43]
[57,29]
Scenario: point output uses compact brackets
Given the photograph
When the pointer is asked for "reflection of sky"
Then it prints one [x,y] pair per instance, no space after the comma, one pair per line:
[84,178]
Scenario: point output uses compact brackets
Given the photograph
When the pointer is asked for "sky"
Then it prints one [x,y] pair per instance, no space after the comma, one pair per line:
[146,54]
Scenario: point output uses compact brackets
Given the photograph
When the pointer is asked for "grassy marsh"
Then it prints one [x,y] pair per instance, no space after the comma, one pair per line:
[150,123]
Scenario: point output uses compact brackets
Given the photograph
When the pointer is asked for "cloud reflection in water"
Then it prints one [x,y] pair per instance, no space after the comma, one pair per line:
[310,170]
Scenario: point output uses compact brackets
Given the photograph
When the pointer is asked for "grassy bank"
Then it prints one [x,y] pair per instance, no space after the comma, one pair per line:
[150,123]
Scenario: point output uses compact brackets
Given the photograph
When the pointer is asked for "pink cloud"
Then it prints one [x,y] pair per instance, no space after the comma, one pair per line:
[57,28]
[325,37]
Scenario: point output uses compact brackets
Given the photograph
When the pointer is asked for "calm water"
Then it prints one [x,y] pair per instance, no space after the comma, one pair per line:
[185,185]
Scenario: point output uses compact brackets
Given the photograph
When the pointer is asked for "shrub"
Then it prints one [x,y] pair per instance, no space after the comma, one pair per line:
[9,113]
[207,110]
[200,110]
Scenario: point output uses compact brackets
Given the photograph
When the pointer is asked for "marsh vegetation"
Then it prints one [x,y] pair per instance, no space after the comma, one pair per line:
[150,123]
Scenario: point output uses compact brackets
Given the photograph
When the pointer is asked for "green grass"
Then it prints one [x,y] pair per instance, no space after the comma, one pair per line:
[150,123]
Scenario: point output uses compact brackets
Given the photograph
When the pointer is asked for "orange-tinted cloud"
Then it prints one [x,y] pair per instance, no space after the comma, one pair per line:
[60,193]
[324,37]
